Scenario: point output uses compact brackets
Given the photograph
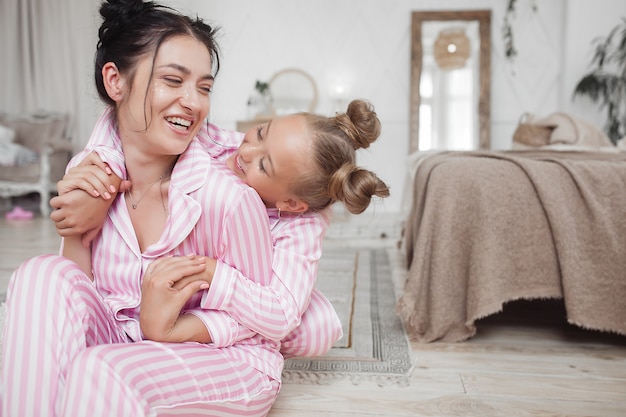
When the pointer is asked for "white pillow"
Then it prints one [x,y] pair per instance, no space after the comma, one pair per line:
[6,135]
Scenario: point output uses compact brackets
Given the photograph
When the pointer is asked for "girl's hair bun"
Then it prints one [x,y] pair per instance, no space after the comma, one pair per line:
[359,123]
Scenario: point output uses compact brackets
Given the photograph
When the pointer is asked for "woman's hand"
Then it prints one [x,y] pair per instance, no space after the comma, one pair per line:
[163,296]
[77,212]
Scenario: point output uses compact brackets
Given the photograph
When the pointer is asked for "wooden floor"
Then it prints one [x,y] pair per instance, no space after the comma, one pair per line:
[524,362]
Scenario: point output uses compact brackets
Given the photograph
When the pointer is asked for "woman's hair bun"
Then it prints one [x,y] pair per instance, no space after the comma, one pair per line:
[117,15]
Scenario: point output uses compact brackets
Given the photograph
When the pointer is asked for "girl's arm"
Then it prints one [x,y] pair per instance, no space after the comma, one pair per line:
[73,249]
[274,309]
[239,235]
[318,327]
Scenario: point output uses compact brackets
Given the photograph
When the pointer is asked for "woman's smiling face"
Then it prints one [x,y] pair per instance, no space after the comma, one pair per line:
[170,97]
[271,156]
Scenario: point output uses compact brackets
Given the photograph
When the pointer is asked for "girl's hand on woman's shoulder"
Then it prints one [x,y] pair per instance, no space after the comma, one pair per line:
[91,175]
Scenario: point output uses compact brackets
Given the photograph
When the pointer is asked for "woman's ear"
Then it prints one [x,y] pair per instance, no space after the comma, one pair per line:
[113,81]
[292,205]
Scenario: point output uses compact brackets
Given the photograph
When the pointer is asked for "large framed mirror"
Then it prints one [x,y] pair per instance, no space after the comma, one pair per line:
[450,80]
[289,91]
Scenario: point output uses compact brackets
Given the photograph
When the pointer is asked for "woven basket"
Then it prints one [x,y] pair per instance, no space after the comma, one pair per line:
[532,134]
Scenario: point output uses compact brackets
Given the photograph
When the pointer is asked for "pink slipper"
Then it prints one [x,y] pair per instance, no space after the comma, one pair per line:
[19,213]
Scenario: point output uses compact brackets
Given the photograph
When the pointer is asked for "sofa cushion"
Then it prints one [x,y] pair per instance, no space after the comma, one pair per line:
[7,135]
[33,132]
[20,173]
[30,172]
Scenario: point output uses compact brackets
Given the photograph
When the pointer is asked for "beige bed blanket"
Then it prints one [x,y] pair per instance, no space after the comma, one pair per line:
[486,228]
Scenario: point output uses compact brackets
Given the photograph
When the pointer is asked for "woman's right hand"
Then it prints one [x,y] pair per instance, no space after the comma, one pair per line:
[77,212]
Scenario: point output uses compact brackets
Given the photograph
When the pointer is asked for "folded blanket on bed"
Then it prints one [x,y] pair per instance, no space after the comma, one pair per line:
[490,227]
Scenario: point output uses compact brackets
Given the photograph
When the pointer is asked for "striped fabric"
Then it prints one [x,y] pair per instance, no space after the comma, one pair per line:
[312,325]
[276,311]
[212,214]
[74,354]
[59,328]
[65,355]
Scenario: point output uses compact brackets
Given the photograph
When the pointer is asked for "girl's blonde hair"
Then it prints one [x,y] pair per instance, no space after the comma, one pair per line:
[335,176]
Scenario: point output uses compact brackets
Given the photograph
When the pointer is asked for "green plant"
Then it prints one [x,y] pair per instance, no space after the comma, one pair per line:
[262,87]
[507,31]
[606,83]
[510,51]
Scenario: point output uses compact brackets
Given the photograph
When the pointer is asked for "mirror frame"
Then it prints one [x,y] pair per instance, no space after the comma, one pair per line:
[313,103]
[484,102]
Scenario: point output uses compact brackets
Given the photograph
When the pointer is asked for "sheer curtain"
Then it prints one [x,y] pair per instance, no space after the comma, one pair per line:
[46,50]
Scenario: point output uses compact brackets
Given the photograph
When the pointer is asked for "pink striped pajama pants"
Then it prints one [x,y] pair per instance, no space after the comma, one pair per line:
[65,355]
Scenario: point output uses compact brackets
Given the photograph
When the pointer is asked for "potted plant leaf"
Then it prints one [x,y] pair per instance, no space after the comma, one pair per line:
[259,104]
[606,83]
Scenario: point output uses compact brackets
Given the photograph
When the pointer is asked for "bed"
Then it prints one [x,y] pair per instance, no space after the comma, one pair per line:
[490,227]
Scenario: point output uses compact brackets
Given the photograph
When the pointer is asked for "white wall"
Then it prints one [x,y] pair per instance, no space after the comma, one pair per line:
[599,18]
[367,44]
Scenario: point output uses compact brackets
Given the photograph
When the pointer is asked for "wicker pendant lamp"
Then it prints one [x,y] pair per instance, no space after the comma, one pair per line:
[452,49]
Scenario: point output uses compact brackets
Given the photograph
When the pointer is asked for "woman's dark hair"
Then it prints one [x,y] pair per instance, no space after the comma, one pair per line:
[133,28]
[335,176]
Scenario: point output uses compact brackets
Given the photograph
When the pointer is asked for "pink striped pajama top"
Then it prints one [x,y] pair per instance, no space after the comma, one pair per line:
[212,213]
[66,349]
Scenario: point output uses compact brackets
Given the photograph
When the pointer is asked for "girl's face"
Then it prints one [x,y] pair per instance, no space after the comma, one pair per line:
[169,98]
[270,157]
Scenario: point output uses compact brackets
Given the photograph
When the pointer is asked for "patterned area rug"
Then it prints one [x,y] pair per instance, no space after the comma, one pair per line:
[374,346]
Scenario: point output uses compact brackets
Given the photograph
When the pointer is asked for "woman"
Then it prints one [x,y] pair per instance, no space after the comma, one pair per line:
[75,348]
